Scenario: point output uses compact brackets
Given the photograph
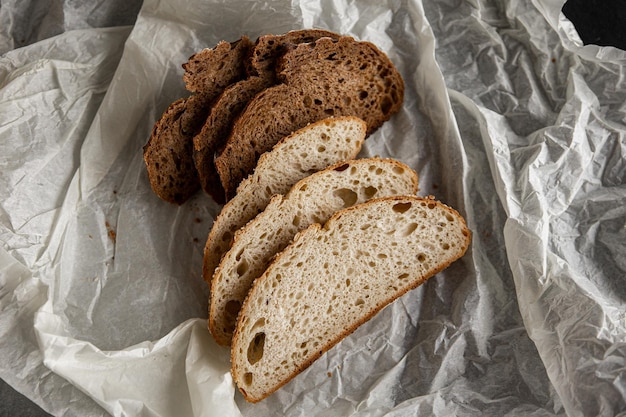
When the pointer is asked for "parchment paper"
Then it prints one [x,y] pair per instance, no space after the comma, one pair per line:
[507,118]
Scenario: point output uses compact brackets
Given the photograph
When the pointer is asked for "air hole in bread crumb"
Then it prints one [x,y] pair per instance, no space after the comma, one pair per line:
[401,207]
[226,237]
[348,282]
[370,191]
[445,246]
[403,276]
[243,267]
[431,205]
[449,217]
[247,378]
[359,302]
[421,257]
[258,324]
[410,228]
[232,308]
[348,196]
[321,148]
[385,105]
[256,347]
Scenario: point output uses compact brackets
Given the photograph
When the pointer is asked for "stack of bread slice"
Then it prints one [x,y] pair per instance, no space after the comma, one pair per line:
[246,96]
[321,252]
[312,241]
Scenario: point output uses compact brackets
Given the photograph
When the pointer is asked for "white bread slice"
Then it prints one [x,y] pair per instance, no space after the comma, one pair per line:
[334,278]
[312,200]
[309,149]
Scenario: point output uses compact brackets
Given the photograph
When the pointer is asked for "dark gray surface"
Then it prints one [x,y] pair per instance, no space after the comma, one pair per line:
[13,404]
[598,22]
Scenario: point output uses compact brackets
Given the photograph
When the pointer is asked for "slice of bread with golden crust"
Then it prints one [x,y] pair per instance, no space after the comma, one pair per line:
[324,78]
[335,277]
[310,149]
[312,200]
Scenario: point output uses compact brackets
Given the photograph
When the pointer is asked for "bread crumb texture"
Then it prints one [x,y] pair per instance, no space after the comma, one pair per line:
[314,199]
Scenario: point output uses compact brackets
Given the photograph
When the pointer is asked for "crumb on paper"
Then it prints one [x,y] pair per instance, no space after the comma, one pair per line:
[110,231]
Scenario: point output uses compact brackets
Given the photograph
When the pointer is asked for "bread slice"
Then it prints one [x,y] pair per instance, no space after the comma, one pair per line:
[211,70]
[312,200]
[216,128]
[320,79]
[169,152]
[224,111]
[334,278]
[308,150]
[268,48]
[171,171]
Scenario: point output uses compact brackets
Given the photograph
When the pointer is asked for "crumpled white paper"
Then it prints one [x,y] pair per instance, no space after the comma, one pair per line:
[507,118]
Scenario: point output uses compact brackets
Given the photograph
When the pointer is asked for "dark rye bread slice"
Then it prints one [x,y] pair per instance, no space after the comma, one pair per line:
[269,47]
[320,79]
[211,70]
[261,75]
[216,128]
[171,172]
[169,152]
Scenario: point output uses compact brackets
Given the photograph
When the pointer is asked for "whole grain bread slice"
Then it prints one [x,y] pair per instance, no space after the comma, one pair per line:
[312,200]
[216,129]
[172,174]
[319,79]
[268,48]
[310,149]
[211,70]
[169,152]
[260,68]
[334,278]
